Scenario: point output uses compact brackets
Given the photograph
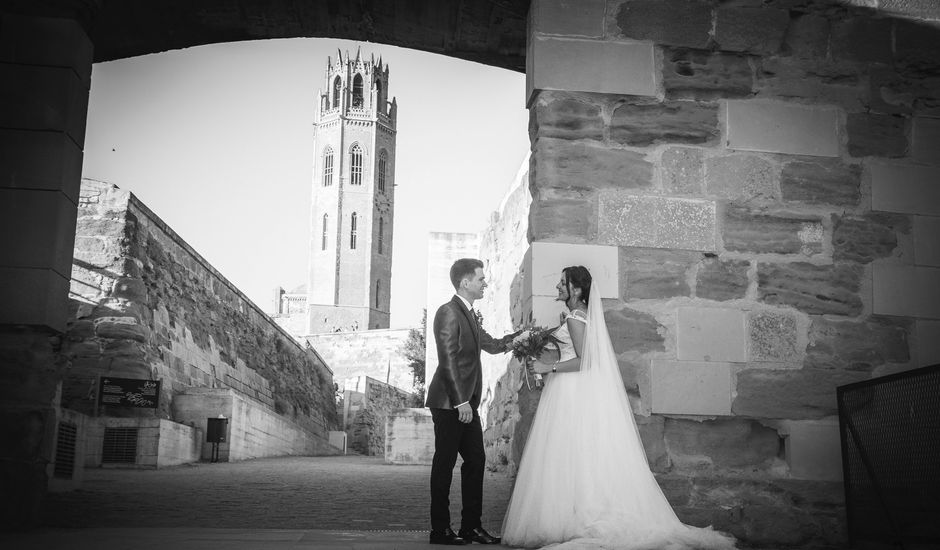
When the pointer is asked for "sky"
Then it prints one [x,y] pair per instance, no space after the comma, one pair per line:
[218,141]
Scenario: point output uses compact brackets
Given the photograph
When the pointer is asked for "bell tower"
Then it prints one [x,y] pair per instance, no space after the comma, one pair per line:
[353,198]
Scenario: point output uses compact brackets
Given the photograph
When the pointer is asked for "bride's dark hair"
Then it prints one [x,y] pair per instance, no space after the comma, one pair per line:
[579,277]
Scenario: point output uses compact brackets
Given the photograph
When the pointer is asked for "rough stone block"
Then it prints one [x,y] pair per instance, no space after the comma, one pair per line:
[563,213]
[814,450]
[777,127]
[752,230]
[705,76]
[568,17]
[633,331]
[562,116]
[722,279]
[928,343]
[874,135]
[121,328]
[548,259]
[861,39]
[923,9]
[864,239]
[890,92]
[723,443]
[33,297]
[832,289]
[684,387]
[861,345]
[915,44]
[821,181]
[651,433]
[44,99]
[756,30]
[927,241]
[772,336]
[906,291]
[683,170]
[812,81]
[673,22]
[640,125]
[740,177]
[578,65]
[37,229]
[905,188]
[710,334]
[790,393]
[656,222]
[561,163]
[925,140]
[655,274]
[808,36]
[40,160]
[46,41]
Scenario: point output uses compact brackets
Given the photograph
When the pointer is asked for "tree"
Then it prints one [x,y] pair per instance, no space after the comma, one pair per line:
[414,350]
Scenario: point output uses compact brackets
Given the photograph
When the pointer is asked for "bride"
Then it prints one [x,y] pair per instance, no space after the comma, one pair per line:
[583,481]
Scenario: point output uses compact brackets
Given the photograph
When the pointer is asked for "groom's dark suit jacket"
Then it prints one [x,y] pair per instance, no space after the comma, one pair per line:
[459,338]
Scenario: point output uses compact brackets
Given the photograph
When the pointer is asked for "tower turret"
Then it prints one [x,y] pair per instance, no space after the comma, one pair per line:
[353,198]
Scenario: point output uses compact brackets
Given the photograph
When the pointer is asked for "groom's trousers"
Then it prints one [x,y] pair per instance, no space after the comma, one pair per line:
[453,437]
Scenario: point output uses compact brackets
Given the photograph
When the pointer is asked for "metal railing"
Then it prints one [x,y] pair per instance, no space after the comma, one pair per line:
[890,435]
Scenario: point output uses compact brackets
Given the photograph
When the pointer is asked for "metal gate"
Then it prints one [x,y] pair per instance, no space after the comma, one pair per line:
[890,432]
[65,450]
[120,446]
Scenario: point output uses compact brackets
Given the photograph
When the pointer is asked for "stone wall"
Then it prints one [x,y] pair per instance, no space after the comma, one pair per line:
[144,304]
[506,400]
[755,184]
[367,404]
[373,353]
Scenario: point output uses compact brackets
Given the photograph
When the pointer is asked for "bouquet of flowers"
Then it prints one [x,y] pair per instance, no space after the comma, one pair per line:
[529,344]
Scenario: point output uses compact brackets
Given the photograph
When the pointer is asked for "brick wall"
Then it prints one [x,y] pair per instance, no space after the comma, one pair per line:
[755,182]
[146,305]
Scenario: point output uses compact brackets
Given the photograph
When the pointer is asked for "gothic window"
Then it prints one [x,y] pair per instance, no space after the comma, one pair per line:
[337,89]
[326,221]
[357,92]
[383,165]
[328,167]
[356,165]
[378,288]
[352,231]
[381,234]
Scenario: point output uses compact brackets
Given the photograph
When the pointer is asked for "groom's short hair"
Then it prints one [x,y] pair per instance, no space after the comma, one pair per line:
[464,267]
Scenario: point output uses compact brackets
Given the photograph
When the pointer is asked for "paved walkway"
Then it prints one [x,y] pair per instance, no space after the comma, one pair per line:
[294,502]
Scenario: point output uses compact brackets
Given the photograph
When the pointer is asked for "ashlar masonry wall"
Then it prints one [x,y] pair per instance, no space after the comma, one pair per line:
[754,186]
[146,305]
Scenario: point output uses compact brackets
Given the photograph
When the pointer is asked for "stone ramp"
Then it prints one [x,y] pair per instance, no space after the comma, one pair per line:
[183,538]
[289,493]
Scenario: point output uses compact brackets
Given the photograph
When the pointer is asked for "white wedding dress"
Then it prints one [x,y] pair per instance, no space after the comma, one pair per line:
[583,480]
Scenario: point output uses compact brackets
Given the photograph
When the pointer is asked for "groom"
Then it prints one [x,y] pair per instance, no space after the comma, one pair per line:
[453,397]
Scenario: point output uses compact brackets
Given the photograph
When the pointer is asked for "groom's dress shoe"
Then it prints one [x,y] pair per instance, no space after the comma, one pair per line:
[447,536]
[478,535]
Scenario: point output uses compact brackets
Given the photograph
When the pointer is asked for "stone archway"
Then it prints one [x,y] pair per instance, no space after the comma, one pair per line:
[730,246]
[48,48]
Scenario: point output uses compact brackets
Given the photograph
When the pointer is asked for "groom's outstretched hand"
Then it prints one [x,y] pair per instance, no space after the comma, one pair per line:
[506,341]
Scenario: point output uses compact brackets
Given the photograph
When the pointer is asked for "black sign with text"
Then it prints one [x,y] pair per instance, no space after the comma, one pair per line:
[128,392]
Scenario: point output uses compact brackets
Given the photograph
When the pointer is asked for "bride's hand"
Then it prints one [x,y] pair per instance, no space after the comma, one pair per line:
[539,367]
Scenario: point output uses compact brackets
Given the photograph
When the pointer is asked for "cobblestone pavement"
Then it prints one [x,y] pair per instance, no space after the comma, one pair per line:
[304,493]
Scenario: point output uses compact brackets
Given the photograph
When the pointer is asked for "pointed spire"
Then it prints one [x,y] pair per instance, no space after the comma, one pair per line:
[358,54]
